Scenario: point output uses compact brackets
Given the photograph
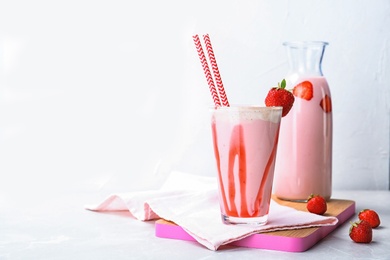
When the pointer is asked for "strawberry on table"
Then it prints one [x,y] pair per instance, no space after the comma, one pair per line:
[370,216]
[304,90]
[280,97]
[360,231]
[316,204]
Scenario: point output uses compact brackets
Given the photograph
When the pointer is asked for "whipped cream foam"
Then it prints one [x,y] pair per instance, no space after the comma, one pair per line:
[248,113]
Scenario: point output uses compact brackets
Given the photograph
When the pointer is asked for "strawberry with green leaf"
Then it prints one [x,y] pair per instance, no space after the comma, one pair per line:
[316,204]
[280,97]
[360,231]
[370,216]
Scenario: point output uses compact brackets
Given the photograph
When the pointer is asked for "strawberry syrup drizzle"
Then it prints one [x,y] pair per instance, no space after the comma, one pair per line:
[266,173]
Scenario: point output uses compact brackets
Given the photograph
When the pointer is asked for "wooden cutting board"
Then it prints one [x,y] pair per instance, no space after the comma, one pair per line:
[297,240]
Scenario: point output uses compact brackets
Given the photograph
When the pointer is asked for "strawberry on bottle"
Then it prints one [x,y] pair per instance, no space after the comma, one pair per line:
[304,90]
[326,104]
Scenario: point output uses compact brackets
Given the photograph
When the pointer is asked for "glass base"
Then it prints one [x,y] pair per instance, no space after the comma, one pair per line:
[256,221]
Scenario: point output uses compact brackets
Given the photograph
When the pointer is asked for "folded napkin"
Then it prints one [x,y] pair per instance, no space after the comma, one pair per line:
[191,201]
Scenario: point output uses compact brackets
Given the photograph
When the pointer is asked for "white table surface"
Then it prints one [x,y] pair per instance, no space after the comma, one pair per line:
[58,227]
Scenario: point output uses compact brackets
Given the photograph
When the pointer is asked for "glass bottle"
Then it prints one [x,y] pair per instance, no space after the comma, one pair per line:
[304,157]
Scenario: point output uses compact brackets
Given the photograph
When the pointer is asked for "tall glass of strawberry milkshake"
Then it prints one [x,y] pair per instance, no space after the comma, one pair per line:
[304,160]
[245,142]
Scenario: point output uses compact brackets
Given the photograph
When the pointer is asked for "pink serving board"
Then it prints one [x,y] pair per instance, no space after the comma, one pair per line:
[298,240]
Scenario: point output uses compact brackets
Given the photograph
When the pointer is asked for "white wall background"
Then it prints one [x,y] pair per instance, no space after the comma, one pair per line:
[110,95]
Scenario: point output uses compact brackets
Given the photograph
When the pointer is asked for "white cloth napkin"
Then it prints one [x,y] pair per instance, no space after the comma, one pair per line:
[191,201]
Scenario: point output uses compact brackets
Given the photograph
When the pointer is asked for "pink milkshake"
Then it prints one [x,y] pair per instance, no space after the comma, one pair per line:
[245,143]
[304,160]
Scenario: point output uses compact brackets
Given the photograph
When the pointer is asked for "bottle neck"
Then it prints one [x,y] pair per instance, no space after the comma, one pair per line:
[305,58]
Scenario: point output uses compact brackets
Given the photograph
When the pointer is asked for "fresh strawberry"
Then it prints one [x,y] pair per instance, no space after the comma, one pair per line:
[360,231]
[370,216]
[304,90]
[316,204]
[280,97]
[326,104]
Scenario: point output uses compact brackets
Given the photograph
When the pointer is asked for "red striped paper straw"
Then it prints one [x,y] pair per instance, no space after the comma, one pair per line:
[214,66]
[206,70]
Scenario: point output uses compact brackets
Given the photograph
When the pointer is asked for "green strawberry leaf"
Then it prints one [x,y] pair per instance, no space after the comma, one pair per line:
[283,84]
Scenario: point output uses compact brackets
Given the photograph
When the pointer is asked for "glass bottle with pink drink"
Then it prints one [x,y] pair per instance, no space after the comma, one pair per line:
[304,158]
